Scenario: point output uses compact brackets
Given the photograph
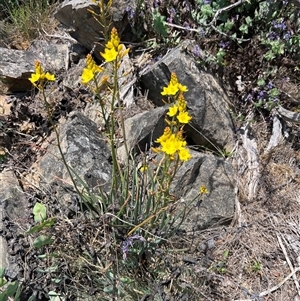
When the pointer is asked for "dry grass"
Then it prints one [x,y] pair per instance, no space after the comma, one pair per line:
[24,23]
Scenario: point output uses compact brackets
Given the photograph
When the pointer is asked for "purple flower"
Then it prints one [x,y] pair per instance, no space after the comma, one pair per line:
[172,13]
[279,25]
[196,51]
[156,3]
[261,95]
[287,35]
[207,1]
[273,36]
[127,244]
[270,86]
[130,12]
[285,79]
[249,97]
[224,44]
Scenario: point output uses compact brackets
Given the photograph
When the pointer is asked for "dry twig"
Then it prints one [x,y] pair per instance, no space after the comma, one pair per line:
[274,288]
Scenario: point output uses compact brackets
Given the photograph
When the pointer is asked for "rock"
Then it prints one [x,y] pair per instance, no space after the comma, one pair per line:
[84,28]
[5,139]
[17,65]
[217,207]
[15,68]
[12,206]
[211,125]
[84,150]
[141,130]
[54,57]
[72,80]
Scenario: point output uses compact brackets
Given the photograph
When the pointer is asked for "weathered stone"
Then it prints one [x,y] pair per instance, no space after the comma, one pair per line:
[17,65]
[84,28]
[211,125]
[85,151]
[141,130]
[72,80]
[12,205]
[54,57]
[5,139]
[217,207]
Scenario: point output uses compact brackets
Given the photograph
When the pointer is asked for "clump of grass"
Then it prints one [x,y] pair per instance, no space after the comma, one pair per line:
[26,20]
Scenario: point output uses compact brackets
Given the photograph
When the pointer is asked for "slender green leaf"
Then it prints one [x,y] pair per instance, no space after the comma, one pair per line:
[41,241]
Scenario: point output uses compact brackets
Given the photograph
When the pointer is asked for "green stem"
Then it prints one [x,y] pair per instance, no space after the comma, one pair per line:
[101,104]
[59,143]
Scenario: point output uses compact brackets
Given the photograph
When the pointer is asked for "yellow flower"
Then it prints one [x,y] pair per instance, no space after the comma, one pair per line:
[171,145]
[144,168]
[109,54]
[113,48]
[50,77]
[122,52]
[174,80]
[184,117]
[173,86]
[114,37]
[34,77]
[40,75]
[182,88]
[184,154]
[87,75]
[172,110]
[203,190]
[181,103]
[167,133]
[91,70]
[170,90]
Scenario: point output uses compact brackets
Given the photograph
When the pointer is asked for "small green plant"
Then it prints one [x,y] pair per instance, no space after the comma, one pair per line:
[10,290]
[266,96]
[221,265]
[256,266]
[40,215]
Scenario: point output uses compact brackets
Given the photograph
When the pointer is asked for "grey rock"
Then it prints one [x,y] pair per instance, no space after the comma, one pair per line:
[85,151]
[211,125]
[16,66]
[72,80]
[12,205]
[141,130]
[54,57]
[84,28]
[217,207]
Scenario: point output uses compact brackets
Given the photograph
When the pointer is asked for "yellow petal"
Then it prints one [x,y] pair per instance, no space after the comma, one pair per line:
[182,88]
[87,75]
[184,117]
[109,55]
[50,77]
[170,90]
[184,154]
[34,77]
[172,111]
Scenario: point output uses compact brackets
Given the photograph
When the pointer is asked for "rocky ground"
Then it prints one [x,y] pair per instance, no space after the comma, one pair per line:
[255,257]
